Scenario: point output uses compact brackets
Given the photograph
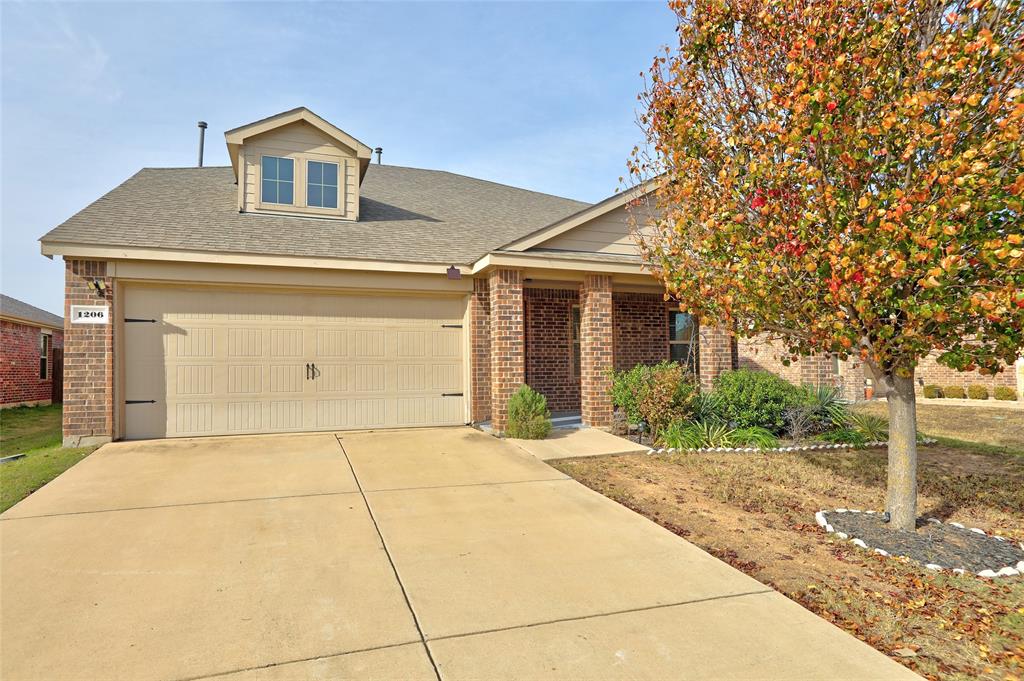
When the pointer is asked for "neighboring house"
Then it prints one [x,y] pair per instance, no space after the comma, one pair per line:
[306,288]
[31,342]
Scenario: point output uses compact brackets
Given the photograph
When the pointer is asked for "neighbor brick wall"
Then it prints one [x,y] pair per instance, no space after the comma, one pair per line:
[480,342]
[597,349]
[930,372]
[549,351]
[766,355]
[640,328]
[505,293]
[88,358]
[19,364]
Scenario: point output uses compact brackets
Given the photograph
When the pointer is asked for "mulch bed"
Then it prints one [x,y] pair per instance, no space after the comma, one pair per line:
[933,544]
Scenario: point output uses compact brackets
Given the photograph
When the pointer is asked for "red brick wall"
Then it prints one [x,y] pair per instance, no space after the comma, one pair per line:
[480,341]
[549,365]
[932,373]
[505,289]
[716,354]
[640,329]
[767,355]
[597,349]
[88,358]
[19,364]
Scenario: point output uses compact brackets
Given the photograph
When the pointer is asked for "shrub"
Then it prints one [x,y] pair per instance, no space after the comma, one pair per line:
[954,392]
[1004,392]
[873,428]
[528,415]
[626,388]
[754,436]
[845,436]
[701,434]
[666,397]
[827,405]
[932,391]
[755,398]
[801,421]
[977,392]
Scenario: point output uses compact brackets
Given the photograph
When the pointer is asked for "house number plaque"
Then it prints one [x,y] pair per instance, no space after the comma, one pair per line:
[90,314]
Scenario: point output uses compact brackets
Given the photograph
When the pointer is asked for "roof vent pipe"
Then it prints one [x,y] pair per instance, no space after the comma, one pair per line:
[202,139]
[378,151]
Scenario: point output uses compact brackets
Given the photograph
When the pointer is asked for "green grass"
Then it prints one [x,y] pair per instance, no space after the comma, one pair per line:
[35,432]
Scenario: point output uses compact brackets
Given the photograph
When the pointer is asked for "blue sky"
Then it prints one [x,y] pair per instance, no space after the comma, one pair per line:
[540,95]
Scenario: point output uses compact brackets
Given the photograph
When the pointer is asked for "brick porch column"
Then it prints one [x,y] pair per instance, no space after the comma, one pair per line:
[480,340]
[88,358]
[507,340]
[596,350]
[716,354]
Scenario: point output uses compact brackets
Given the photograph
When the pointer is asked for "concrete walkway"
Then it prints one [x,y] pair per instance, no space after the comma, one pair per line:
[568,443]
[427,554]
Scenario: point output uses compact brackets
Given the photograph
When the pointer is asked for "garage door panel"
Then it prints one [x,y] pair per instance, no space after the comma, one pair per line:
[220,362]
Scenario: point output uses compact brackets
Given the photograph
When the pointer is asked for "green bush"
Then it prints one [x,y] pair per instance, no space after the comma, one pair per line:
[826,403]
[1004,392]
[528,415]
[954,392]
[977,392]
[932,391]
[755,398]
[873,428]
[666,397]
[626,388]
[702,434]
[845,436]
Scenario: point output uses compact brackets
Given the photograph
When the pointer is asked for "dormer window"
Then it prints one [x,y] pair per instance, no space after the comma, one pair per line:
[278,180]
[322,184]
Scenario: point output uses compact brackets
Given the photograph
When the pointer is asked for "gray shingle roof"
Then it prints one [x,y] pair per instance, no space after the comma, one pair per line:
[406,214]
[15,308]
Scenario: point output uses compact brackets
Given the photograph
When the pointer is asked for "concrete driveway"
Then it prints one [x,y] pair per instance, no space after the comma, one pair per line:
[424,554]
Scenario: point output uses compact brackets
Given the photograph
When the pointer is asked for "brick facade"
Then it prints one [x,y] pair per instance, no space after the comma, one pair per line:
[549,346]
[505,295]
[597,349]
[88,359]
[480,349]
[640,329]
[19,364]
[717,354]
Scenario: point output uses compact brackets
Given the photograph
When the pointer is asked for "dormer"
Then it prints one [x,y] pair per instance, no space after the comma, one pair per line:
[296,163]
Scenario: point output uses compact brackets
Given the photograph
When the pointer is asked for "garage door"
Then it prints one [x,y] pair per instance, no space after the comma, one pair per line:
[213,362]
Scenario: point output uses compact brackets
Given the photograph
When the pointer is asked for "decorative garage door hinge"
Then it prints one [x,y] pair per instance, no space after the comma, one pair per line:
[140,401]
[451,394]
[451,326]
[148,321]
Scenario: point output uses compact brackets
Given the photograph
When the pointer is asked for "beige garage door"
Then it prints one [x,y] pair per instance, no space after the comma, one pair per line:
[215,362]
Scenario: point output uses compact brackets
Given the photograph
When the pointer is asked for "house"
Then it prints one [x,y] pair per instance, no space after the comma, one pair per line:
[305,287]
[30,364]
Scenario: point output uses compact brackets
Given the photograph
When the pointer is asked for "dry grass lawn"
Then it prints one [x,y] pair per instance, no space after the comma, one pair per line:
[999,426]
[756,512]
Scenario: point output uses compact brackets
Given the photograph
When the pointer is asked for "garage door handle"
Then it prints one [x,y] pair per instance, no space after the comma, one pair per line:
[307,371]
[451,394]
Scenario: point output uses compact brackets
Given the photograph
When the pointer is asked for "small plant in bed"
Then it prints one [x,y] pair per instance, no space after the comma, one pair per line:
[528,415]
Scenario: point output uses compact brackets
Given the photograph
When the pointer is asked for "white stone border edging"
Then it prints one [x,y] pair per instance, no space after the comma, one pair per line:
[776,450]
[1008,571]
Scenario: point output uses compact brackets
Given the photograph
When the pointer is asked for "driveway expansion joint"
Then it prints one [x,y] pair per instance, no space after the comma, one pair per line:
[599,615]
[391,561]
[181,505]
[466,484]
[271,665]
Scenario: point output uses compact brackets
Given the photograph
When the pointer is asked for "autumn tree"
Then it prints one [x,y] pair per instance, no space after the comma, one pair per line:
[845,176]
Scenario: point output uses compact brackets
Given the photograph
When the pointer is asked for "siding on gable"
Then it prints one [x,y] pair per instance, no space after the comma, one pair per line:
[608,233]
[302,142]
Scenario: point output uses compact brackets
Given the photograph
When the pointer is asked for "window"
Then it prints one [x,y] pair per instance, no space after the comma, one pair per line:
[278,180]
[683,339]
[576,358]
[322,185]
[44,355]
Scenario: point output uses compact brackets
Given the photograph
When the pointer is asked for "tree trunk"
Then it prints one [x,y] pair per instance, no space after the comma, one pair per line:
[901,496]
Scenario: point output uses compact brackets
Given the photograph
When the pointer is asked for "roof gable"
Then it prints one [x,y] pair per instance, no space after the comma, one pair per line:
[236,137]
[559,233]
